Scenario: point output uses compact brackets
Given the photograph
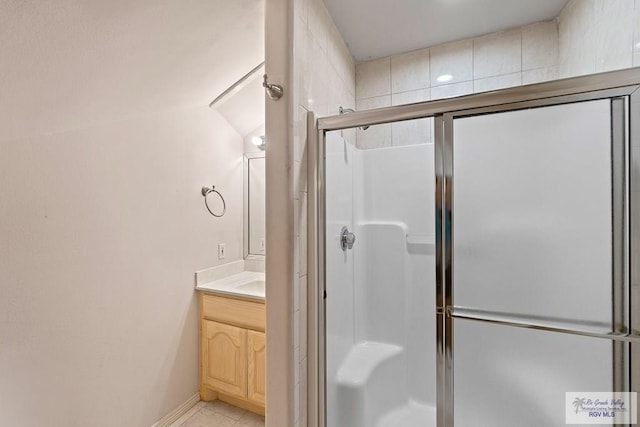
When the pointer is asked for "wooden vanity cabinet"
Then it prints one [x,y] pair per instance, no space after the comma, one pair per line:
[225,350]
[257,363]
[233,351]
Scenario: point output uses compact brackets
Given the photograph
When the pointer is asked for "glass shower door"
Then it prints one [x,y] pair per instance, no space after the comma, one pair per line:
[536,277]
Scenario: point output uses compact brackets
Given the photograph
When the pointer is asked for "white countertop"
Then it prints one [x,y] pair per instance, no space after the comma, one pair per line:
[245,284]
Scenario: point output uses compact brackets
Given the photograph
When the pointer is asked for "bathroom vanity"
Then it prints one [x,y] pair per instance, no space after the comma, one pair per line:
[232,340]
[232,312]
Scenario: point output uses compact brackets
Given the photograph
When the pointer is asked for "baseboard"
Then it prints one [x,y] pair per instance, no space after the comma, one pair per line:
[172,416]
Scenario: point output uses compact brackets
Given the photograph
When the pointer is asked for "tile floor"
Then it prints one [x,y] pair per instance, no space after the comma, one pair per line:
[218,414]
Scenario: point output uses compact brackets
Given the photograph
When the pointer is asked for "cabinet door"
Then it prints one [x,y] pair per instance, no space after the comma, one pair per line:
[256,372]
[225,358]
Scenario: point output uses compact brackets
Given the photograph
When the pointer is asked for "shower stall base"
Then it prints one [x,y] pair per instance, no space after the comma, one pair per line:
[368,383]
[371,386]
[413,414]
[371,389]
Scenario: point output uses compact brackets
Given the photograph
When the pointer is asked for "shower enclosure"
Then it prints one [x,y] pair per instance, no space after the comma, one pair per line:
[483,270]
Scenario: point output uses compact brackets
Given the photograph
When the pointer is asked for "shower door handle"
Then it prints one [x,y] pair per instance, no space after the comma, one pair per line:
[347,239]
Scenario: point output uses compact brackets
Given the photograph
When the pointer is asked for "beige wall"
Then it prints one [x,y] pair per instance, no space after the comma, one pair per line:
[280,207]
[598,36]
[101,230]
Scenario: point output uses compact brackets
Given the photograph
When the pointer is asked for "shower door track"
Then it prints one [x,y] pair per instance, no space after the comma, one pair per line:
[619,86]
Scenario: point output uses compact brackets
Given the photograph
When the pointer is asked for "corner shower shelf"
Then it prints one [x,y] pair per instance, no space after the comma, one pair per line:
[421,239]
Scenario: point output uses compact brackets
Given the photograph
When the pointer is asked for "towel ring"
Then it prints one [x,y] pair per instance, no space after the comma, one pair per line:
[205,192]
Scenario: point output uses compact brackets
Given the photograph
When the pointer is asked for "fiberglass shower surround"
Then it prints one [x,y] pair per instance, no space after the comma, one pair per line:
[380,323]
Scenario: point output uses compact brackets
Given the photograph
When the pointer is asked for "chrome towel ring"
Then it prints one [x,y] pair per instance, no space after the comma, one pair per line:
[205,192]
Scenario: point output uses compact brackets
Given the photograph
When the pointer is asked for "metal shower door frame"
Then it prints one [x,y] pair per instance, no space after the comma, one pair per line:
[622,86]
[620,99]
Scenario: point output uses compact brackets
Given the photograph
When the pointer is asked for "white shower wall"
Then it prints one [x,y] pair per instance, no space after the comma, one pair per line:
[396,187]
[380,295]
[339,273]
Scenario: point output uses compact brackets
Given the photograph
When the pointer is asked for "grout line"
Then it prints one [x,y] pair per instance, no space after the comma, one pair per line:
[521,56]
[473,65]
[429,59]
[390,98]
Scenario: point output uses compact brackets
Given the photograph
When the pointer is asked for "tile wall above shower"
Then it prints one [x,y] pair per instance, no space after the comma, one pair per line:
[589,36]
[495,61]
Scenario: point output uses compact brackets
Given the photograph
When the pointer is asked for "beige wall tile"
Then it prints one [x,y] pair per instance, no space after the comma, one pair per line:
[340,58]
[318,77]
[448,91]
[319,22]
[300,167]
[301,58]
[373,78]
[300,144]
[410,97]
[453,59]
[335,95]
[300,160]
[302,268]
[303,392]
[540,45]
[303,316]
[614,29]
[296,399]
[597,36]
[576,37]
[410,71]
[496,54]
[497,82]
[636,28]
[302,9]
[296,334]
[539,75]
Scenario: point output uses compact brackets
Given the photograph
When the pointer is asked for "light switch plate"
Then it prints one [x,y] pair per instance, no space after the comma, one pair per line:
[222,251]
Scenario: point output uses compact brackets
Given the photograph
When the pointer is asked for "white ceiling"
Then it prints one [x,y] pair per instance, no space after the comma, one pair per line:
[72,63]
[376,28]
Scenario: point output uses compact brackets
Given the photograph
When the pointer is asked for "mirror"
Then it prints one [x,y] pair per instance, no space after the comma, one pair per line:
[254,204]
